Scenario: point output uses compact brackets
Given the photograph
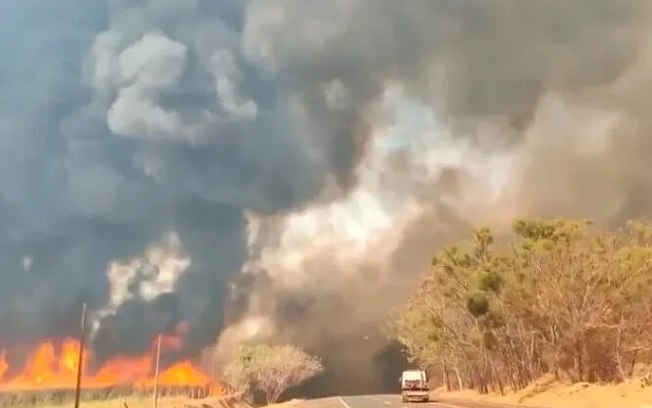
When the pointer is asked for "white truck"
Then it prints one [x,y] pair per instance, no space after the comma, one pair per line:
[414,386]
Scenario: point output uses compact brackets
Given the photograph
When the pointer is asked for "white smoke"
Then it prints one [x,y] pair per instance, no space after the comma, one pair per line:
[147,67]
[364,229]
[133,70]
[147,276]
[223,66]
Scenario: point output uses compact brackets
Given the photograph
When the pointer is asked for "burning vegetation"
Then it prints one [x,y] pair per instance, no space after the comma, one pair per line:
[50,372]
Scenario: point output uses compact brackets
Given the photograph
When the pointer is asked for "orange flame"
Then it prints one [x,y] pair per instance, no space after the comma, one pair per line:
[53,366]
[3,366]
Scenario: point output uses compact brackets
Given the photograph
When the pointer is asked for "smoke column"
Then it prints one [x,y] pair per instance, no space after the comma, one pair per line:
[283,169]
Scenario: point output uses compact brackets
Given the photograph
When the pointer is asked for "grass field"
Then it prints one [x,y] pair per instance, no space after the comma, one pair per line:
[137,402]
[109,397]
[132,402]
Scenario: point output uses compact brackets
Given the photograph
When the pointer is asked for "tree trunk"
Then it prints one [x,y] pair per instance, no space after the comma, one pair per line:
[459,379]
[579,361]
[501,386]
[482,382]
[275,395]
[621,370]
[619,360]
[632,365]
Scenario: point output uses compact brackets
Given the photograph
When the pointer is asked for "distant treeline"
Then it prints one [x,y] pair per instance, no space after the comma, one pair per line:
[560,299]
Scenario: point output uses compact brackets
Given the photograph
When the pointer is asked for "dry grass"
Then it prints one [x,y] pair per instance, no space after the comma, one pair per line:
[287,404]
[144,402]
[132,402]
[548,393]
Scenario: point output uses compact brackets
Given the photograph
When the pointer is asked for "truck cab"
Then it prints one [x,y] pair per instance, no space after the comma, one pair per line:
[414,386]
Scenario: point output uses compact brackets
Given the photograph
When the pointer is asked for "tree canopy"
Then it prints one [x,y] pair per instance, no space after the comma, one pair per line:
[559,299]
[271,369]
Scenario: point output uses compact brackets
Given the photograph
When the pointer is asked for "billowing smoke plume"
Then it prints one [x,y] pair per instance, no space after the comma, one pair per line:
[305,156]
[486,112]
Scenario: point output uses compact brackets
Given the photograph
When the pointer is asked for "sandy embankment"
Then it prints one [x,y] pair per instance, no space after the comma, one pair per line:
[548,393]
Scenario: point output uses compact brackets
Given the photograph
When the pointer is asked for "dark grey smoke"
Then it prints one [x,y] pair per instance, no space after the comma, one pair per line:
[119,121]
[559,85]
[122,120]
